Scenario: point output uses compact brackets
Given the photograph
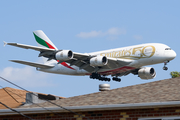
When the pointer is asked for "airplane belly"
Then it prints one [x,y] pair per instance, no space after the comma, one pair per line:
[71,71]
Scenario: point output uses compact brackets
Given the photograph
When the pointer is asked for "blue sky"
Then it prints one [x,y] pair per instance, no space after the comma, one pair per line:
[84,26]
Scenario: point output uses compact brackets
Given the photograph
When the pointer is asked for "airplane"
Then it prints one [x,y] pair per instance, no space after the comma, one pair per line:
[98,65]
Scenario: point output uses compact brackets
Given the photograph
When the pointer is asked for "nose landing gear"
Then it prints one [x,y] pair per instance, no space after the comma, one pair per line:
[165,63]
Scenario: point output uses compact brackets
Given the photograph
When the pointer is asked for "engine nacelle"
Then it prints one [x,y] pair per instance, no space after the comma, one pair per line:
[64,55]
[147,73]
[98,61]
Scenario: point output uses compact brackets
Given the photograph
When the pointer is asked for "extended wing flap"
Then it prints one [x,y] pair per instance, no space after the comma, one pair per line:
[33,64]
[30,47]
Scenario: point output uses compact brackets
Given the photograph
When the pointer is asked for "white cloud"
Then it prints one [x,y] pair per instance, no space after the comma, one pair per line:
[27,77]
[116,31]
[89,34]
[111,32]
[138,37]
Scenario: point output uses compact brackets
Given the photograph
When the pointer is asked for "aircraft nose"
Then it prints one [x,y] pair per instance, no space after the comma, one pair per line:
[171,55]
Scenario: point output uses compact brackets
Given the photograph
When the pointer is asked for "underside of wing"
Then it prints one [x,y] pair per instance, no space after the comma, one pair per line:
[116,63]
[83,62]
[33,64]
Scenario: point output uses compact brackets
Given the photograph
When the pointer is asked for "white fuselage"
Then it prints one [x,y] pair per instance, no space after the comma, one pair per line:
[141,55]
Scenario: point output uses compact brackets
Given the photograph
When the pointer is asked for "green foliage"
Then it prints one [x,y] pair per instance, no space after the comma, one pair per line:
[175,74]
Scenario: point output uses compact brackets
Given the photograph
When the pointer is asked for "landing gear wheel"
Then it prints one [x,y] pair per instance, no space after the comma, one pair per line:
[117,79]
[165,68]
[165,63]
[99,77]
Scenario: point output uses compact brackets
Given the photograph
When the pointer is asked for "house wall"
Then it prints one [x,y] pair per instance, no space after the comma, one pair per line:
[133,114]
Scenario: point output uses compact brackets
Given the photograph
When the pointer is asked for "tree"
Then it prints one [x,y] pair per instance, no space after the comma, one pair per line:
[175,74]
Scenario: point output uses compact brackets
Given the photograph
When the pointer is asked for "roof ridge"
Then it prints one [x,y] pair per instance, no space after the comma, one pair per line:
[14,88]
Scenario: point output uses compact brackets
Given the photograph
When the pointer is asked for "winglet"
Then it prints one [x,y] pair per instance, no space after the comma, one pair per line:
[5,43]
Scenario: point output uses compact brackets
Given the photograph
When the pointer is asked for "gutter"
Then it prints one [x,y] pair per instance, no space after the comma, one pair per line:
[91,108]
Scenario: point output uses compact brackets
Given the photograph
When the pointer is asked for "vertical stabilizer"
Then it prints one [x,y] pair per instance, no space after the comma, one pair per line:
[43,41]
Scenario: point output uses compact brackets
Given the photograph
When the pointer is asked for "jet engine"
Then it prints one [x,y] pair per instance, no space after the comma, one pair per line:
[64,55]
[98,61]
[147,73]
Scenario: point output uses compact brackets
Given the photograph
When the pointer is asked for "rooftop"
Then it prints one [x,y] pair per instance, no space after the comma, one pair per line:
[10,97]
[159,91]
[14,97]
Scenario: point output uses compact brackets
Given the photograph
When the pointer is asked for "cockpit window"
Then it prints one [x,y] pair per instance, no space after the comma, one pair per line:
[168,49]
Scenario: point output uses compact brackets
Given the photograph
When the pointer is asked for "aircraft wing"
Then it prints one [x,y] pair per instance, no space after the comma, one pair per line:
[30,47]
[79,59]
[117,63]
[82,61]
[32,64]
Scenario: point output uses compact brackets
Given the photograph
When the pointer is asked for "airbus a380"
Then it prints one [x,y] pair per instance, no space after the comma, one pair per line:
[98,65]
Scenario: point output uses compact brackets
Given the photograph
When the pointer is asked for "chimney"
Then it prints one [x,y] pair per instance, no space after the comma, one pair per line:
[38,98]
[104,87]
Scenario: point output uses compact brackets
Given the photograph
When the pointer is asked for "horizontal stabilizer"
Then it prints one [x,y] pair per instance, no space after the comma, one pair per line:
[33,64]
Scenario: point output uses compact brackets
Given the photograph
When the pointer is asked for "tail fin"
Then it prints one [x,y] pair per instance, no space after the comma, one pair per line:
[43,40]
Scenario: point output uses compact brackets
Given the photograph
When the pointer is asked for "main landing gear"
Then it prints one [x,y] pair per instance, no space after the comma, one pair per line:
[165,63]
[99,77]
[117,79]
